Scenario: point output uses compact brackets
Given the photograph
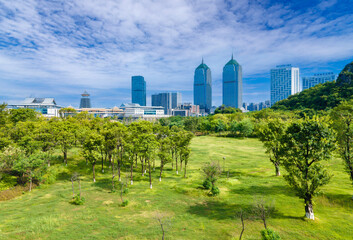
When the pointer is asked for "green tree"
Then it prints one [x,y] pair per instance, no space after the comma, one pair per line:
[306,143]
[342,116]
[22,115]
[270,134]
[64,136]
[92,149]
[244,128]
[212,171]
[30,166]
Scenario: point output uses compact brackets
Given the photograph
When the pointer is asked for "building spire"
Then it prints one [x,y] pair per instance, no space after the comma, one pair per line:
[202,61]
[232,56]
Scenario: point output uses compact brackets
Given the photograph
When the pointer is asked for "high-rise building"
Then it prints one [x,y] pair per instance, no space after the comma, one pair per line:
[138,90]
[309,82]
[285,81]
[232,84]
[167,100]
[85,100]
[203,87]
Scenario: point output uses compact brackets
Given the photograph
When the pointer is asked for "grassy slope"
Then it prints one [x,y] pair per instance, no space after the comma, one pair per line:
[46,214]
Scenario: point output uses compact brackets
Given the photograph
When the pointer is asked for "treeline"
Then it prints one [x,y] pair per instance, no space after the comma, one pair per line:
[28,143]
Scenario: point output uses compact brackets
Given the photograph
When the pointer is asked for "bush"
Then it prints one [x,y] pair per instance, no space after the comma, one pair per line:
[126,190]
[77,200]
[207,184]
[125,203]
[269,234]
[215,191]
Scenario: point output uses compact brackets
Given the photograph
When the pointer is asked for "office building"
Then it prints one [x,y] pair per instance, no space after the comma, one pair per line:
[134,110]
[309,82]
[232,84]
[186,109]
[85,100]
[203,87]
[285,81]
[138,90]
[167,100]
[45,106]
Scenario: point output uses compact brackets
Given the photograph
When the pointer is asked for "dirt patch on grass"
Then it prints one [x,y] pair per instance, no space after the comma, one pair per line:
[16,191]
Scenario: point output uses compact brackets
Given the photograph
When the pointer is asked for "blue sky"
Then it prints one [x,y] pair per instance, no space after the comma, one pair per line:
[61,48]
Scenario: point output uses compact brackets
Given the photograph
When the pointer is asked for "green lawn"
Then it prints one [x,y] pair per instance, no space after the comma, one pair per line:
[188,212]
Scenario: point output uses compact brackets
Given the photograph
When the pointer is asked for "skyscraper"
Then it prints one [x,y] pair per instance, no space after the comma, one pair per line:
[203,87]
[85,100]
[138,90]
[284,82]
[232,84]
[309,82]
[167,100]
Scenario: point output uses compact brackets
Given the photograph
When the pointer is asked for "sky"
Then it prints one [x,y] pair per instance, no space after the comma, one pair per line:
[59,48]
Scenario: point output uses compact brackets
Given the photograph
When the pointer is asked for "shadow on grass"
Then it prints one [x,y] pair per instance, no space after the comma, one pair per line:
[343,200]
[264,190]
[221,211]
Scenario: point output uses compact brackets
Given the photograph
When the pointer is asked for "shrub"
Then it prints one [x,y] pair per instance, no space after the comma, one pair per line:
[125,203]
[269,234]
[207,184]
[215,191]
[126,190]
[77,200]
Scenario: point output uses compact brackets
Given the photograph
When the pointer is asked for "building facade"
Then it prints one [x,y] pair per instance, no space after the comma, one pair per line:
[167,100]
[45,106]
[203,87]
[285,81]
[309,82]
[134,110]
[232,84]
[85,100]
[138,90]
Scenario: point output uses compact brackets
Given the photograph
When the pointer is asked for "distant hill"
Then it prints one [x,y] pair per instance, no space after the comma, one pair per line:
[322,96]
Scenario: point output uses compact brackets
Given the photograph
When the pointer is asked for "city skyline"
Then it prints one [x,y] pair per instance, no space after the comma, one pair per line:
[58,49]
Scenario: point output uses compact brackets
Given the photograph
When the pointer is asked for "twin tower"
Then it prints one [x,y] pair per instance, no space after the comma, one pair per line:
[232,86]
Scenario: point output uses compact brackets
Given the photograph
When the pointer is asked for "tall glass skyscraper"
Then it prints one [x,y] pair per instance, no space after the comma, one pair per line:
[232,84]
[309,82]
[203,87]
[138,90]
[284,82]
[85,100]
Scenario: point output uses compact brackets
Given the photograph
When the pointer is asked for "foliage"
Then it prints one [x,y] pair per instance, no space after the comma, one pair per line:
[226,110]
[207,184]
[306,144]
[244,128]
[215,191]
[269,234]
[22,115]
[78,200]
[125,203]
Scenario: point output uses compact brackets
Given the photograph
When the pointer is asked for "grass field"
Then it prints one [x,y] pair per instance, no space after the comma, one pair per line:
[188,212]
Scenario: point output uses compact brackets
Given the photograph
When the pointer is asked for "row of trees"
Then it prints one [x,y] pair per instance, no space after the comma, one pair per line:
[25,137]
[301,146]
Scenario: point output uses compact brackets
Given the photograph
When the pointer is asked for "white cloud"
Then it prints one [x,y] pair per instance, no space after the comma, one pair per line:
[100,44]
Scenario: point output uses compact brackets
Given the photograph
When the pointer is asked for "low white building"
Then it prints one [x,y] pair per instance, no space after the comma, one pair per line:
[134,110]
[45,106]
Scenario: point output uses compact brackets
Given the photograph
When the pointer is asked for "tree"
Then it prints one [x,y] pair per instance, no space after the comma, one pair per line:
[22,115]
[244,128]
[4,113]
[64,136]
[30,166]
[9,156]
[46,139]
[68,111]
[148,147]
[306,144]
[270,134]
[92,148]
[212,171]
[185,154]
[342,116]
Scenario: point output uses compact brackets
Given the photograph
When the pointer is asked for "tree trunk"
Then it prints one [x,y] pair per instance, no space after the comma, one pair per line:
[309,211]
[172,160]
[132,167]
[181,163]
[30,183]
[102,165]
[73,191]
[94,172]
[119,170]
[185,170]
[154,163]
[176,164]
[160,174]
[277,169]
[65,158]
[141,160]
[242,223]
[113,186]
[149,169]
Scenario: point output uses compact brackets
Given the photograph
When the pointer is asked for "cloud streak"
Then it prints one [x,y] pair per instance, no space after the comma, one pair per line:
[69,46]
